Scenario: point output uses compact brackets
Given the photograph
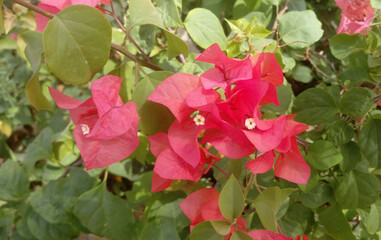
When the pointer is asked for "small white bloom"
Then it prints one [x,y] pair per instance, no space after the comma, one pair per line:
[250,124]
[85,129]
[199,120]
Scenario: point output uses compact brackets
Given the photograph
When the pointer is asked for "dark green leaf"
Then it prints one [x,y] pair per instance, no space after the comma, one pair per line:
[370,142]
[351,156]
[231,200]
[104,214]
[40,148]
[340,132]
[333,219]
[44,230]
[268,203]
[14,183]
[154,117]
[159,229]
[300,26]
[342,45]
[357,190]
[371,218]
[33,49]
[319,195]
[70,188]
[77,43]
[323,155]
[315,106]
[204,28]
[356,102]
[205,230]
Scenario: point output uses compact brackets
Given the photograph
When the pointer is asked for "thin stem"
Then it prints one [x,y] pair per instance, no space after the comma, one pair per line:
[222,171]
[105,176]
[134,58]
[34,8]
[255,183]
[136,73]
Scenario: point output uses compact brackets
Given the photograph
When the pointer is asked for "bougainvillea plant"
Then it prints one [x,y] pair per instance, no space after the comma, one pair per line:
[190,119]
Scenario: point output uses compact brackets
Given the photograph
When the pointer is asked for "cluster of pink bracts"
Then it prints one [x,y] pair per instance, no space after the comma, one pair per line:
[222,108]
[356,16]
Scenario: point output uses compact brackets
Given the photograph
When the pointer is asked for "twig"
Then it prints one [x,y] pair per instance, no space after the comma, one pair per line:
[68,169]
[34,8]
[281,12]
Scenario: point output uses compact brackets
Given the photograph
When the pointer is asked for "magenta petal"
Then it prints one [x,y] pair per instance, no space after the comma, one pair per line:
[203,99]
[267,235]
[266,140]
[271,96]
[60,4]
[233,145]
[87,109]
[102,153]
[291,166]
[63,101]
[269,68]
[169,165]
[193,204]
[213,77]
[42,21]
[106,93]
[159,183]
[285,145]
[158,143]
[211,211]
[183,139]
[214,55]
[262,163]
[173,92]
[115,122]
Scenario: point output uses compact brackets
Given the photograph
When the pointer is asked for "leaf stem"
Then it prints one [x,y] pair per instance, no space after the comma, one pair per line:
[34,8]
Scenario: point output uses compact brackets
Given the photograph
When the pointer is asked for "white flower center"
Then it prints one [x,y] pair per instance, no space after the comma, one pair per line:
[250,124]
[85,129]
[199,120]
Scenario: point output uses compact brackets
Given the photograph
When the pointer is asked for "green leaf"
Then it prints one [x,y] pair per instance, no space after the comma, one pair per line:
[169,13]
[143,12]
[40,148]
[356,102]
[159,229]
[33,52]
[34,94]
[333,219]
[319,195]
[323,155]
[44,230]
[70,188]
[300,26]
[315,106]
[351,156]
[204,28]
[33,49]
[302,74]
[141,189]
[154,117]
[375,3]
[285,96]
[357,190]
[240,235]
[77,43]
[222,227]
[14,183]
[104,214]
[371,219]
[340,132]
[342,45]
[45,202]
[370,142]
[127,73]
[268,203]
[176,46]
[2,29]
[205,230]
[231,200]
